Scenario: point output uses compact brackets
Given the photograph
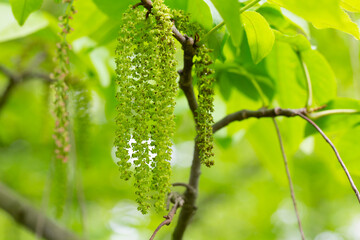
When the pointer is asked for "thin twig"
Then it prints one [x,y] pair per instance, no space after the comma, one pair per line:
[316,115]
[15,79]
[353,186]
[245,114]
[292,192]
[179,201]
[305,69]
[26,215]
[188,187]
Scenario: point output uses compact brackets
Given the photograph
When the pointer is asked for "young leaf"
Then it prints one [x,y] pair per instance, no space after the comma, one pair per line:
[23,8]
[229,11]
[113,9]
[259,34]
[200,12]
[322,14]
[10,29]
[282,64]
[351,5]
[298,41]
[277,20]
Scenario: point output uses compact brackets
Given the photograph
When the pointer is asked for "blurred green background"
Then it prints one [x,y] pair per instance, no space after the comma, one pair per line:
[244,196]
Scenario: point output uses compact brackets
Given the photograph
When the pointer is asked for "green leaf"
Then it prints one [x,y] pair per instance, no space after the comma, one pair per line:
[298,41]
[176,4]
[322,14]
[98,23]
[259,34]
[200,13]
[113,9]
[273,15]
[9,29]
[321,75]
[229,11]
[224,86]
[351,5]
[283,65]
[23,8]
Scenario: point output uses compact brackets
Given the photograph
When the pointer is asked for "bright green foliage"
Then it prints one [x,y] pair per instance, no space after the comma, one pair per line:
[23,8]
[249,178]
[10,29]
[202,17]
[259,34]
[147,90]
[322,13]
[206,107]
[351,5]
[229,11]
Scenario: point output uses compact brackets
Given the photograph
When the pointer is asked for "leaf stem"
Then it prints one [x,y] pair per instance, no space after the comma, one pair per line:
[220,25]
[353,186]
[309,101]
[260,91]
[316,115]
[292,192]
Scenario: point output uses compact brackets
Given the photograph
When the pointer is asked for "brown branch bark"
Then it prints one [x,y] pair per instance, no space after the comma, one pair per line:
[245,114]
[178,202]
[185,82]
[26,215]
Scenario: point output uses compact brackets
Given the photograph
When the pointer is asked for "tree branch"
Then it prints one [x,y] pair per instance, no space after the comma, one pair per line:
[15,79]
[185,82]
[27,216]
[353,186]
[292,192]
[178,202]
[187,186]
[190,196]
[245,114]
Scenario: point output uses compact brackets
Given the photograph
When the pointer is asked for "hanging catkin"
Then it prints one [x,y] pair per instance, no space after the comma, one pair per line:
[147,88]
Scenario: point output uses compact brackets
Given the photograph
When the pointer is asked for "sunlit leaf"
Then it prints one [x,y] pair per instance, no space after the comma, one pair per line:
[229,11]
[23,8]
[351,5]
[260,36]
[200,13]
[283,65]
[9,29]
[322,13]
[113,9]
[273,15]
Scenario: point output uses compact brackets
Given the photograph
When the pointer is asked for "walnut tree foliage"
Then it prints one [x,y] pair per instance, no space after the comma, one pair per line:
[116,113]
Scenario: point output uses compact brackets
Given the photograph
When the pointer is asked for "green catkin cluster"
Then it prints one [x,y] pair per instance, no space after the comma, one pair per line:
[147,88]
[61,132]
[204,73]
[61,135]
[205,120]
